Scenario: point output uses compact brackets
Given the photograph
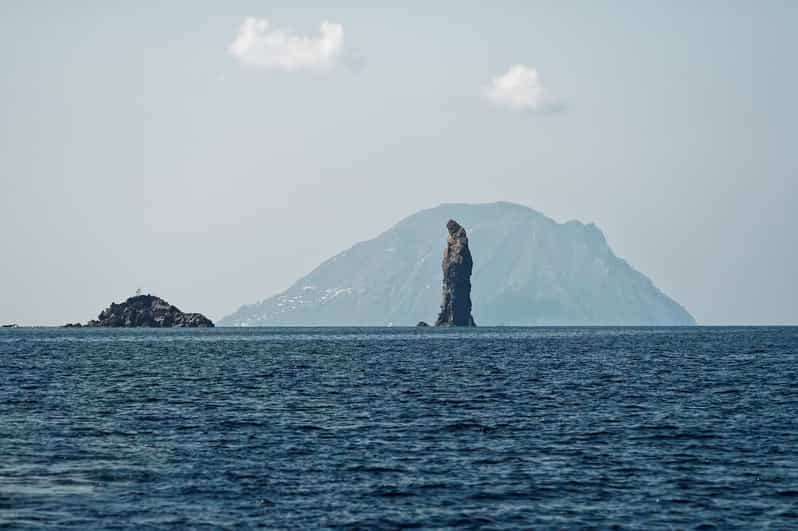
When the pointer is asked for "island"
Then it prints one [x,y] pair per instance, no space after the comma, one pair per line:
[529,270]
[145,311]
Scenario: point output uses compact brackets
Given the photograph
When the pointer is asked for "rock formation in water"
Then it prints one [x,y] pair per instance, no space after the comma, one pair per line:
[457,266]
[148,311]
[422,324]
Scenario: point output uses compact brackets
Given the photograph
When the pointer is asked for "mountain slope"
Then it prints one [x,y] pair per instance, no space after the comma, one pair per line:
[528,270]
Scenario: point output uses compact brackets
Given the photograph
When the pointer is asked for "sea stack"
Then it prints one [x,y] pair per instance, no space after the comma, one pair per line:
[457,266]
[148,311]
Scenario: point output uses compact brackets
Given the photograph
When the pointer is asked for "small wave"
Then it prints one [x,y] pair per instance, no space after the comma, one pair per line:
[464,425]
[391,492]
[374,469]
[310,427]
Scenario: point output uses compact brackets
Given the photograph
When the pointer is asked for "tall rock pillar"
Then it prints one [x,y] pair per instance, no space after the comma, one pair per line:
[457,266]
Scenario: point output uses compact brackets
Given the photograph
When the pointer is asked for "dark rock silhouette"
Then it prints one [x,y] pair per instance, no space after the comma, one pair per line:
[148,311]
[457,266]
[422,324]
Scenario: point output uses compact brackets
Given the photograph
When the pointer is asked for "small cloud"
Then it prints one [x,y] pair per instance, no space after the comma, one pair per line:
[521,89]
[259,45]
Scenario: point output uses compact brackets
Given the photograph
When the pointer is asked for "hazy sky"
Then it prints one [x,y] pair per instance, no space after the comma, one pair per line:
[213,160]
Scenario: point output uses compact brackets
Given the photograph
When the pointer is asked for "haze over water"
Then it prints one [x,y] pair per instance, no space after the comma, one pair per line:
[140,149]
[377,428]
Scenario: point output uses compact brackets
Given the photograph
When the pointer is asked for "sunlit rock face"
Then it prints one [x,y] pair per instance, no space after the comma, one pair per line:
[457,266]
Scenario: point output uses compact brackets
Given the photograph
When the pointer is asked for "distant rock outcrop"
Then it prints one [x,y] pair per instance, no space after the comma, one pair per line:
[147,311]
[457,266]
[422,324]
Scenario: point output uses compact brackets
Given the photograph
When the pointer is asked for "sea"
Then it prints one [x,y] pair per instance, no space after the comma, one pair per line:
[384,428]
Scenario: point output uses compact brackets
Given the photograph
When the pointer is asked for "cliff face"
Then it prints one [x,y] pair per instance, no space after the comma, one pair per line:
[457,266]
[529,270]
[148,311]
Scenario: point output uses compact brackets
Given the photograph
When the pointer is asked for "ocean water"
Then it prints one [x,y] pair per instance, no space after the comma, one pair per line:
[509,428]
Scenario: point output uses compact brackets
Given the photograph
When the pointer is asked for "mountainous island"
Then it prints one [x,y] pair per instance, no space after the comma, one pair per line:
[146,311]
[527,270]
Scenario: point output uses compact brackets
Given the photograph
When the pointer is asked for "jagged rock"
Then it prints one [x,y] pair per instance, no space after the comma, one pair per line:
[72,325]
[148,311]
[457,266]
[422,324]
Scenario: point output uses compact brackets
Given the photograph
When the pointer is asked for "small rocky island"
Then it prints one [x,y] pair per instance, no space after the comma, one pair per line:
[457,266]
[146,311]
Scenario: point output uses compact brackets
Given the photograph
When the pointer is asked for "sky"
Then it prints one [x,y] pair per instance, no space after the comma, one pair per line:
[214,152]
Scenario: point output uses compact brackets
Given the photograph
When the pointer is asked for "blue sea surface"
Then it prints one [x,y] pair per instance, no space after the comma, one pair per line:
[371,428]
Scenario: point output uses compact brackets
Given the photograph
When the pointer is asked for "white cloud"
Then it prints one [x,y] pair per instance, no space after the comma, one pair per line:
[521,89]
[260,45]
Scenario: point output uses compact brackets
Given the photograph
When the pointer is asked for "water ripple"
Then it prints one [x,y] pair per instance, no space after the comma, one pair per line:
[384,428]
